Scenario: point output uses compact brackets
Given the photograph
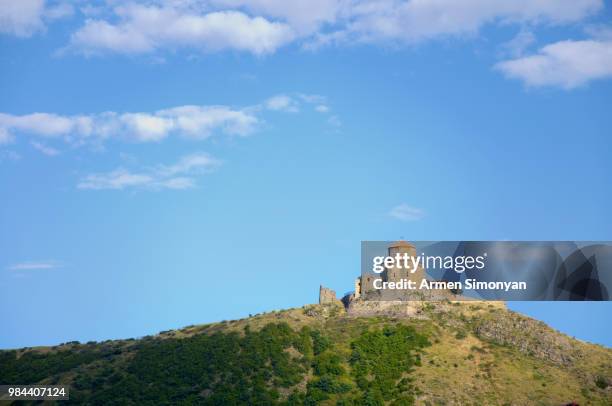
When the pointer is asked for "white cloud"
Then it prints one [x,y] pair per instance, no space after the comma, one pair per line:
[34,265]
[417,20]
[5,136]
[180,183]
[201,121]
[566,64]
[410,20]
[600,32]
[334,121]
[23,18]
[57,11]
[144,28]
[189,121]
[9,156]
[312,98]
[405,212]
[43,124]
[517,45]
[319,102]
[96,36]
[262,27]
[282,103]
[117,179]
[45,149]
[305,16]
[194,163]
[147,127]
[178,176]
[292,104]
[91,10]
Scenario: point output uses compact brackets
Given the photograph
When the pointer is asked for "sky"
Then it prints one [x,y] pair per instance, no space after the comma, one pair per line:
[176,162]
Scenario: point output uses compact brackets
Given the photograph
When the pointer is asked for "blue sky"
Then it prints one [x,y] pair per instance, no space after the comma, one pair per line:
[168,163]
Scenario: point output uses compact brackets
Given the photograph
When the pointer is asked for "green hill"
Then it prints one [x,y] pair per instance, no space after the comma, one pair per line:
[445,354]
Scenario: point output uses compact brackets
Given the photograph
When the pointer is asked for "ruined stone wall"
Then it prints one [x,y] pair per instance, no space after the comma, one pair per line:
[367,283]
[327,295]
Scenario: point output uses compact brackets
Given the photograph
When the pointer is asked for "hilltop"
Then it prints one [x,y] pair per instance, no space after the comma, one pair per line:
[438,353]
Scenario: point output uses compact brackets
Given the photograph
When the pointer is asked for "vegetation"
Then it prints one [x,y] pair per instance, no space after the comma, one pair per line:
[381,358]
[320,356]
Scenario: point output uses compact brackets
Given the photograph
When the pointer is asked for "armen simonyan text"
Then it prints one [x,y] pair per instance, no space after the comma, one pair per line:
[468,284]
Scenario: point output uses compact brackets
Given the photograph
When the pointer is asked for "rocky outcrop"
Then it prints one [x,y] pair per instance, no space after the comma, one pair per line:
[529,336]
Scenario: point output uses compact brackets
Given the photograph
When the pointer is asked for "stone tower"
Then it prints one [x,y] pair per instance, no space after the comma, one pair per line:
[326,295]
[395,274]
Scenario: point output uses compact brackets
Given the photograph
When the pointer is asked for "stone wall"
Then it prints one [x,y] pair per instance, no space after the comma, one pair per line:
[362,308]
[327,295]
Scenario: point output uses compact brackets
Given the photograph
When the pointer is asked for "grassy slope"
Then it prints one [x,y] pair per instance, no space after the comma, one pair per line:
[479,354]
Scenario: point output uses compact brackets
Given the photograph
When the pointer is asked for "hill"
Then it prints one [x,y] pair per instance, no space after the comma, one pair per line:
[443,354]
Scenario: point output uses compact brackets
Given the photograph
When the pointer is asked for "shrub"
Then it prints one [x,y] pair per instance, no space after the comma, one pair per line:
[601,382]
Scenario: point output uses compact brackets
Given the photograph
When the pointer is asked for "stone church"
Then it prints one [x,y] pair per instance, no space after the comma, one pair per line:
[364,284]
